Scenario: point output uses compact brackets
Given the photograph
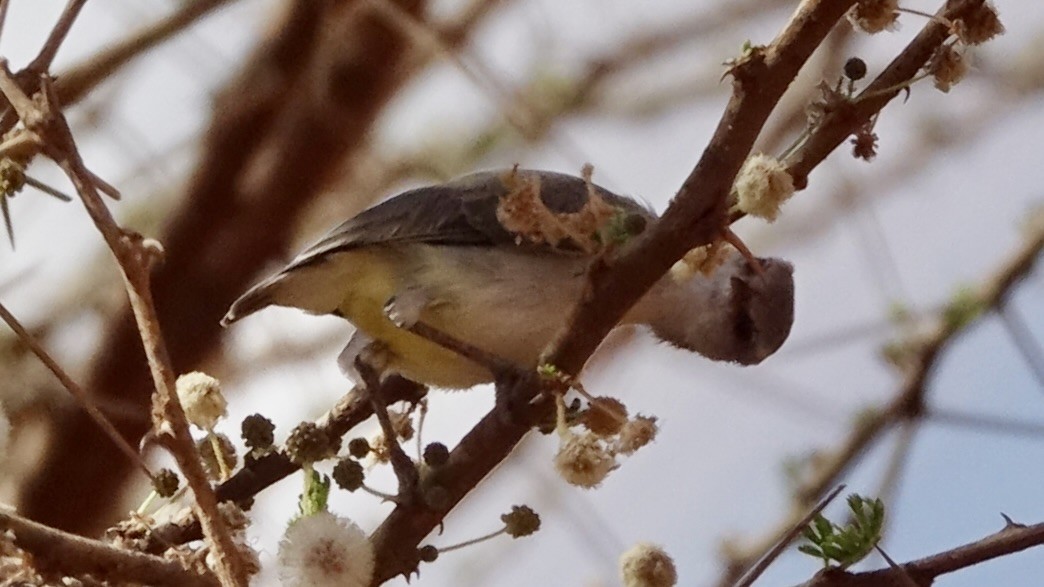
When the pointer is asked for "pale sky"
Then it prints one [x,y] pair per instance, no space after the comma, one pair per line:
[716,470]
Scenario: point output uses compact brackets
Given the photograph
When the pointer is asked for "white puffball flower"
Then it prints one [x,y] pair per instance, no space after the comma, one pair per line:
[323,550]
[762,186]
[201,398]
[647,565]
[582,460]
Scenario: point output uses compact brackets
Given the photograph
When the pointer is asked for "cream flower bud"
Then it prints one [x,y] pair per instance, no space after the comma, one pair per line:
[762,186]
[201,398]
[647,565]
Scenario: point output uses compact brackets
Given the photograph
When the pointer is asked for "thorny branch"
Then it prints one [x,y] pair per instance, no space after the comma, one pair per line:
[42,117]
[1011,539]
[695,217]
[353,409]
[621,278]
[77,392]
[67,554]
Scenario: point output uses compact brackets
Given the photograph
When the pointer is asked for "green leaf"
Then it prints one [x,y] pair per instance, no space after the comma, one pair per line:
[316,494]
[849,544]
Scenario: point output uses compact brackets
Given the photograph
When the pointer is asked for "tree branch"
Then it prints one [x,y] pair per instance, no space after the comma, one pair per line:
[69,554]
[696,216]
[1013,538]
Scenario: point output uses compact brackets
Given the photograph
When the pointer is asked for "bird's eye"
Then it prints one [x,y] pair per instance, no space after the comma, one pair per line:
[743,327]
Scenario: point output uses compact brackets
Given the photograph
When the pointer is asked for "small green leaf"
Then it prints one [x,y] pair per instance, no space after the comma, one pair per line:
[849,544]
[316,495]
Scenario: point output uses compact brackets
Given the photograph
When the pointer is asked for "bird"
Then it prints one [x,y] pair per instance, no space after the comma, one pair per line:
[497,260]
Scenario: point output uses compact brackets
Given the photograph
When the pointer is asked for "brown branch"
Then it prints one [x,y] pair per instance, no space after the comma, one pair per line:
[1013,538]
[55,551]
[3,13]
[696,216]
[81,396]
[272,109]
[850,115]
[350,411]
[43,116]
[42,62]
[75,83]
[762,565]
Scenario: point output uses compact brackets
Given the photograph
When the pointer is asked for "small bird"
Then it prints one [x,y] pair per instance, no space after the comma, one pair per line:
[498,260]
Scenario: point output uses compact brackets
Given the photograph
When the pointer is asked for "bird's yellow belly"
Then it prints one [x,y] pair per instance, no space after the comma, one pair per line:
[511,316]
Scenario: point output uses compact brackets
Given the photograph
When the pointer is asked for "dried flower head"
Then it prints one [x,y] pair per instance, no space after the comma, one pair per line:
[12,177]
[436,454]
[521,521]
[874,16]
[583,460]
[636,433]
[604,416]
[948,66]
[358,447]
[234,516]
[864,143]
[428,553]
[258,432]
[323,550]
[201,398]
[647,565]
[523,212]
[762,186]
[308,443]
[165,483]
[220,461]
[979,26]
[349,474]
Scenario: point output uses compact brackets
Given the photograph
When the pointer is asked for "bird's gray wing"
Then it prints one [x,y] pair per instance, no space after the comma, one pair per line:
[462,212]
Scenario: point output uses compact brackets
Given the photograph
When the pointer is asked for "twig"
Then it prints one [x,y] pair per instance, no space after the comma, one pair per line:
[70,554]
[763,564]
[3,15]
[1013,538]
[75,83]
[42,63]
[50,191]
[1028,347]
[81,396]
[696,216]
[353,409]
[405,469]
[985,423]
[290,102]
[904,578]
[134,256]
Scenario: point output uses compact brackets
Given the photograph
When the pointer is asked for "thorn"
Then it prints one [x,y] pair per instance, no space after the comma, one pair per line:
[1009,523]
